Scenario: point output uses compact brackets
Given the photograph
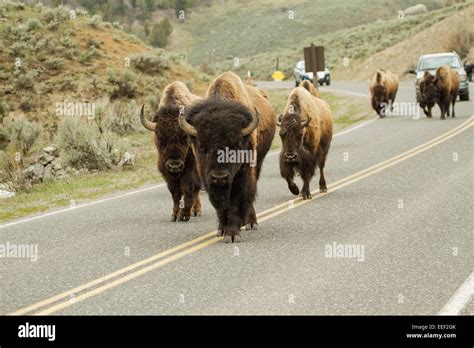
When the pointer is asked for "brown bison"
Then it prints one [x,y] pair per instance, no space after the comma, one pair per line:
[310,87]
[383,90]
[237,119]
[306,134]
[443,89]
[176,160]
[428,93]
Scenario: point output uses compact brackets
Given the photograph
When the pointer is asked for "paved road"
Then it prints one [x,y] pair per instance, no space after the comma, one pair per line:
[410,219]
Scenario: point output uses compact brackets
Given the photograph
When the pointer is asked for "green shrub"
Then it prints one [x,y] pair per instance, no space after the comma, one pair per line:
[160,32]
[24,80]
[18,48]
[94,21]
[151,62]
[88,146]
[123,84]
[33,24]
[54,63]
[122,117]
[26,104]
[21,133]
[12,175]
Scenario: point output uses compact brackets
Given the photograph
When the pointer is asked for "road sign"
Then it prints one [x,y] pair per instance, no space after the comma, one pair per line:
[314,60]
[278,76]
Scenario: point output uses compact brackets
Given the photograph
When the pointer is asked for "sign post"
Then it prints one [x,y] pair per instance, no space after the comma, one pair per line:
[314,61]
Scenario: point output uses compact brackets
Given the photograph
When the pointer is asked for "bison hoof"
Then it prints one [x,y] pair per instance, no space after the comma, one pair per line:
[294,189]
[197,213]
[323,189]
[185,218]
[173,218]
[251,226]
[220,232]
[232,238]
[306,195]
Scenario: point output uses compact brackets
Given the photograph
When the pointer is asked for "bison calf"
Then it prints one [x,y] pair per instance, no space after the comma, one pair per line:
[176,160]
[306,134]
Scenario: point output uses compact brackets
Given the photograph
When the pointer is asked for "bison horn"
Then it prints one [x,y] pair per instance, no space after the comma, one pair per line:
[306,123]
[186,126]
[278,121]
[145,122]
[252,126]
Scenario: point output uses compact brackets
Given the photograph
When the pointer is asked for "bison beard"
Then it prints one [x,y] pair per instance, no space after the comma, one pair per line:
[214,125]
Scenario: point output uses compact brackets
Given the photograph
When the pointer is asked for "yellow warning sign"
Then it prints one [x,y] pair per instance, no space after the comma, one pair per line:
[278,76]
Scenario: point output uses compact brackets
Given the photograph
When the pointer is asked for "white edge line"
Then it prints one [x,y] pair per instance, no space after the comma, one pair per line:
[80,206]
[13,223]
[344,92]
[460,298]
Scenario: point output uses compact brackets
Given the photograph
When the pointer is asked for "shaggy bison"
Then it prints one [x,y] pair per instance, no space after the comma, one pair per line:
[383,89]
[443,89]
[234,118]
[429,93]
[310,87]
[306,134]
[176,160]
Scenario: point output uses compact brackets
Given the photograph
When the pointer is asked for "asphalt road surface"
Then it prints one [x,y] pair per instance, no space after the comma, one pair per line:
[399,204]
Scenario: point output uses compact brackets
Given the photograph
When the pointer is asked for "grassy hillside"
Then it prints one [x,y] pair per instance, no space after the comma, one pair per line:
[258,32]
[453,33]
[48,57]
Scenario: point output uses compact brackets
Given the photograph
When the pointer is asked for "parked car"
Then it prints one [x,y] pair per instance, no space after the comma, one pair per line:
[431,62]
[324,77]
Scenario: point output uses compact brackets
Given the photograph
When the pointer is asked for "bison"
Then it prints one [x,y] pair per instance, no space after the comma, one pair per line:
[176,159]
[238,118]
[383,90]
[306,134]
[428,93]
[446,82]
[310,87]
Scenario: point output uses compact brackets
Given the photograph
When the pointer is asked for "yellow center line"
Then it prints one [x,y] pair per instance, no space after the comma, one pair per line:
[267,214]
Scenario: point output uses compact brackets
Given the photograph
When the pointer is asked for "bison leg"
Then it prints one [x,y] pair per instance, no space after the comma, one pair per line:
[176,198]
[453,102]
[305,192]
[322,179]
[221,216]
[234,221]
[197,210]
[288,173]
[251,219]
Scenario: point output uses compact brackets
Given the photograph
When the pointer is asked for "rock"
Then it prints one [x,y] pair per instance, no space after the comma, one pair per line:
[127,160]
[35,171]
[48,172]
[61,174]
[46,159]
[52,150]
[57,166]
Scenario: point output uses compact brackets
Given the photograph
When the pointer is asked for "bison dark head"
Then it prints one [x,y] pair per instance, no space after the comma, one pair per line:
[292,129]
[380,98]
[215,125]
[172,143]
[429,90]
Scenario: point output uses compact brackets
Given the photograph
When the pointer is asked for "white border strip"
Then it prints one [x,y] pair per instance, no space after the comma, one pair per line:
[80,206]
[460,298]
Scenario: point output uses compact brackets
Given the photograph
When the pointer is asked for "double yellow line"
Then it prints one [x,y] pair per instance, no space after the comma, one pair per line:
[123,275]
